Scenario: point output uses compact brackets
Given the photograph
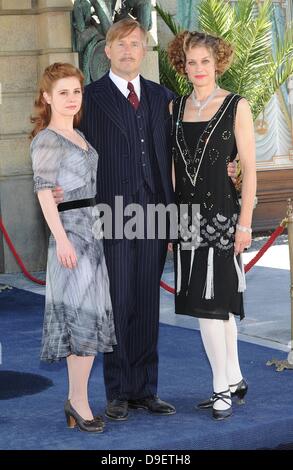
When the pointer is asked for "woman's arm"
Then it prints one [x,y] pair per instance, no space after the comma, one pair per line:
[65,252]
[244,134]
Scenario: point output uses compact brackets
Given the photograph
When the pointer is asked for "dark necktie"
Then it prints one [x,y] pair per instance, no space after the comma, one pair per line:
[132,97]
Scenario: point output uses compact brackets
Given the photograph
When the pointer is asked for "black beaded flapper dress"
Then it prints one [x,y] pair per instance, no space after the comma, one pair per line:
[209,277]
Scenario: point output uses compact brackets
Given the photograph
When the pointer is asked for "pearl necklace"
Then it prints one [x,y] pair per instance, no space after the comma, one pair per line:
[200,105]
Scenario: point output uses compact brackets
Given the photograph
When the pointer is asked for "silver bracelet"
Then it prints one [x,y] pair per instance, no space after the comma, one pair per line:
[241,228]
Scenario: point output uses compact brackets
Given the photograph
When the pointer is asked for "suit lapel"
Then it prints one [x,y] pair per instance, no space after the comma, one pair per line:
[155,101]
[105,98]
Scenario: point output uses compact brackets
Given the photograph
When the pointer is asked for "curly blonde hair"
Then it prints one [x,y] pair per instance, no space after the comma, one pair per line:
[54,72]
[221,50]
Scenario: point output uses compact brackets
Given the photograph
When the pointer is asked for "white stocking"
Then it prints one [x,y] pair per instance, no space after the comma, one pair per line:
[233,368]
[213,337]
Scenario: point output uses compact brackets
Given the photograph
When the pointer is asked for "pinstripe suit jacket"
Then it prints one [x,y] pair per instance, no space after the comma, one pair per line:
[105,129]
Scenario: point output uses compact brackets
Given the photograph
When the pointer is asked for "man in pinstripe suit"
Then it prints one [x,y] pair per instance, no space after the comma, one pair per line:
[130,130]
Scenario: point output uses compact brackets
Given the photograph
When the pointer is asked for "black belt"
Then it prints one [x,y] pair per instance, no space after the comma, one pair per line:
[66,206]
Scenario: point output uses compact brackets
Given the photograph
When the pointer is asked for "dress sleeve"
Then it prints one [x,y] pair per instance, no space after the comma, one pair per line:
[46,154]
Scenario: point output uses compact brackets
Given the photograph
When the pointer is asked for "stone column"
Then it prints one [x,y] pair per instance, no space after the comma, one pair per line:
[33,33]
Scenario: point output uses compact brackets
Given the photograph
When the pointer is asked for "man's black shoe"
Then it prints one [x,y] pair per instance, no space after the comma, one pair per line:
[117,409]
[152,404]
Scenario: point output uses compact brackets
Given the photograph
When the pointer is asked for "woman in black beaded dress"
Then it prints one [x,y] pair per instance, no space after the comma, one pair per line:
[210,127]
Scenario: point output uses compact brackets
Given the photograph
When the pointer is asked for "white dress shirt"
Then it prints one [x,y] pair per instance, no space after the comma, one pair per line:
[121,84]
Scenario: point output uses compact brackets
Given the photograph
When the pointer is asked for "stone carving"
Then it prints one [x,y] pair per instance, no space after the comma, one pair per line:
[139,9]
[89,35]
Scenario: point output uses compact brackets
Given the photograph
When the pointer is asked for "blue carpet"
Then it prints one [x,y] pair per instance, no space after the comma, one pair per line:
[32,418]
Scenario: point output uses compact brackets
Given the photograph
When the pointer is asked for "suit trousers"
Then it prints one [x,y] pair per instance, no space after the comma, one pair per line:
[135,268]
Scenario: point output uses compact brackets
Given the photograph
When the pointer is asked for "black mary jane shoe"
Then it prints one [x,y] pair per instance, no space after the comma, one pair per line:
[240,392]
[222,414]
[74,419]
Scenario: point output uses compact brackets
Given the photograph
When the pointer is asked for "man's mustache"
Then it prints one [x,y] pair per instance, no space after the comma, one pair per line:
[127,58]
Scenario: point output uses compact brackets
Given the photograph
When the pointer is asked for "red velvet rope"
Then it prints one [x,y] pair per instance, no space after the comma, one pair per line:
[279,230]
[266,246]
[167,287]
[17,257]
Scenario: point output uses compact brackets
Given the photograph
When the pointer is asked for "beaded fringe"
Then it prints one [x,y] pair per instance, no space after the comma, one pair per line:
[240,273]
[209,285]
[178,289]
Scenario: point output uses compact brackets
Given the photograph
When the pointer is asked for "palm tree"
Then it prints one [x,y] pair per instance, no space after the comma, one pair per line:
[258,71]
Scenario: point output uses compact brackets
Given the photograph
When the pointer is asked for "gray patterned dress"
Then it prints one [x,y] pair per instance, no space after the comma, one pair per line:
[78,312]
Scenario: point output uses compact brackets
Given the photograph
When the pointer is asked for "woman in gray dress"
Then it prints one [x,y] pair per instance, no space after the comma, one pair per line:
[78,320]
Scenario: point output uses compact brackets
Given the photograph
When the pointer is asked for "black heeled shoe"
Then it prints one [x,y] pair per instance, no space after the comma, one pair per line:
[100,420]
[74,419]
[222,414]
[240,392]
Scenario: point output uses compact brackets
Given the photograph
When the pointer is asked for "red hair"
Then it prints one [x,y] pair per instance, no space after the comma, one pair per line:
[54,72]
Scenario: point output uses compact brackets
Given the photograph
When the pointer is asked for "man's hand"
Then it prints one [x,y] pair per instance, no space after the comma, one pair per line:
[232,171]
[58,195]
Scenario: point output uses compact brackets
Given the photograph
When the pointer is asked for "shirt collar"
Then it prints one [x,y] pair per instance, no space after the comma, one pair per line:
[121,83]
